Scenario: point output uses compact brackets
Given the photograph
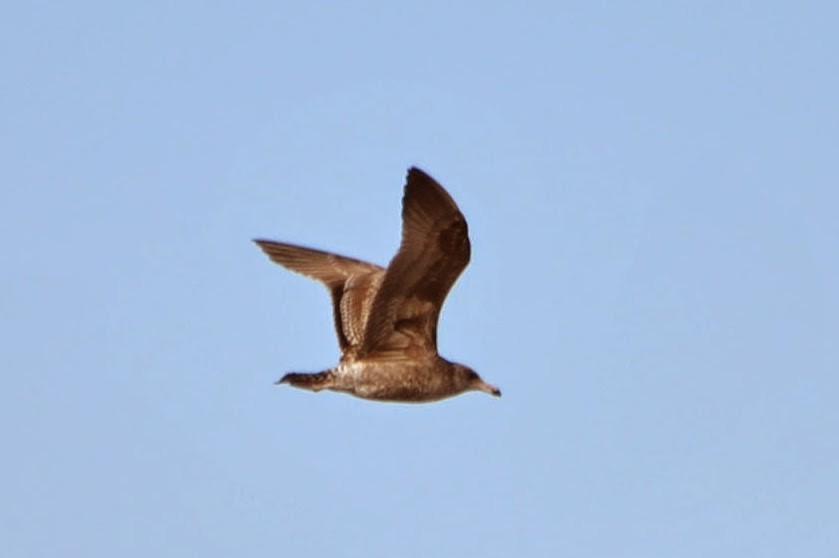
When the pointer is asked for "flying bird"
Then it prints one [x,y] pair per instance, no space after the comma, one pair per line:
[386,318]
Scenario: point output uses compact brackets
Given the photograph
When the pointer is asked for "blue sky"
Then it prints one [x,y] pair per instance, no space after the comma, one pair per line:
[651,189]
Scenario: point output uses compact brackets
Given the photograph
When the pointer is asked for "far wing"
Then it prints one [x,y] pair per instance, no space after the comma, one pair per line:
[338,273]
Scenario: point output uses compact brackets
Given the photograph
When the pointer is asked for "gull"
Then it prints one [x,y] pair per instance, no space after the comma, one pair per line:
[386,318]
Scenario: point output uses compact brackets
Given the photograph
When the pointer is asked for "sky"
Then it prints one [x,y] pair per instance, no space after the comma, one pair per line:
[651,189]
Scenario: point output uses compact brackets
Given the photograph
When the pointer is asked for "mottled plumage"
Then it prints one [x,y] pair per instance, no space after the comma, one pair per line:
[386,319]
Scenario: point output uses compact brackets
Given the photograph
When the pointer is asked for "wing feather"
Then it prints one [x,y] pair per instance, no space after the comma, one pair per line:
[434,252]
[349,282]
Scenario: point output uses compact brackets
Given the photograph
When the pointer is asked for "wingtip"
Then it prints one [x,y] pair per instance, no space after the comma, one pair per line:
[416,174]
[417,177]
[261,244]
[413,169]
[426,192]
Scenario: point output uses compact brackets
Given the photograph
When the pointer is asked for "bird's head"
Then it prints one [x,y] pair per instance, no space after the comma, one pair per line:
[471,381]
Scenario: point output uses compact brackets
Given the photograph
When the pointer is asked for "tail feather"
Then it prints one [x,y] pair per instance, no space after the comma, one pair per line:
[312,381]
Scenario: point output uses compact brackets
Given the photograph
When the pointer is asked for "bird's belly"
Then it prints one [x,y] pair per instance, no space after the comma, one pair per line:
[402,381]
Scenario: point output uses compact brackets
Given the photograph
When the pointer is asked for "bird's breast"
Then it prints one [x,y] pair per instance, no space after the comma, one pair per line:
[394,380]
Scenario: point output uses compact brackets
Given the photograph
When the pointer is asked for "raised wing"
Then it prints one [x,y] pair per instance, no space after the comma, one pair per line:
[434,252]
[350,282]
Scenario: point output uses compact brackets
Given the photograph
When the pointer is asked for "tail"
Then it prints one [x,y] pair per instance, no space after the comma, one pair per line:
[312,382]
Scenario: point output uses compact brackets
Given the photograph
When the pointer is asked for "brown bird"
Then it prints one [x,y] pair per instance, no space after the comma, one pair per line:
[386,319]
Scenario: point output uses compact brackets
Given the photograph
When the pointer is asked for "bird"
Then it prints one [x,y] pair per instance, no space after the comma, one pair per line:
[386,318]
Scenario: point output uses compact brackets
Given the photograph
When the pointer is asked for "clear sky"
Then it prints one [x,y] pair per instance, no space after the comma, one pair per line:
[652,192]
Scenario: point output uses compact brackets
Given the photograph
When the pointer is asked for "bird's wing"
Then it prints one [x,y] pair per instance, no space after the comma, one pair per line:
[349,282]
[434,251]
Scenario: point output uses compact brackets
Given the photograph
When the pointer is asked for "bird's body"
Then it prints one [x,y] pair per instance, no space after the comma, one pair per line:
[386,319]
[406,380]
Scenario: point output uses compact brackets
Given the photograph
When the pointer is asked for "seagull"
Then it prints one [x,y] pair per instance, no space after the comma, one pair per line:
[386,318]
